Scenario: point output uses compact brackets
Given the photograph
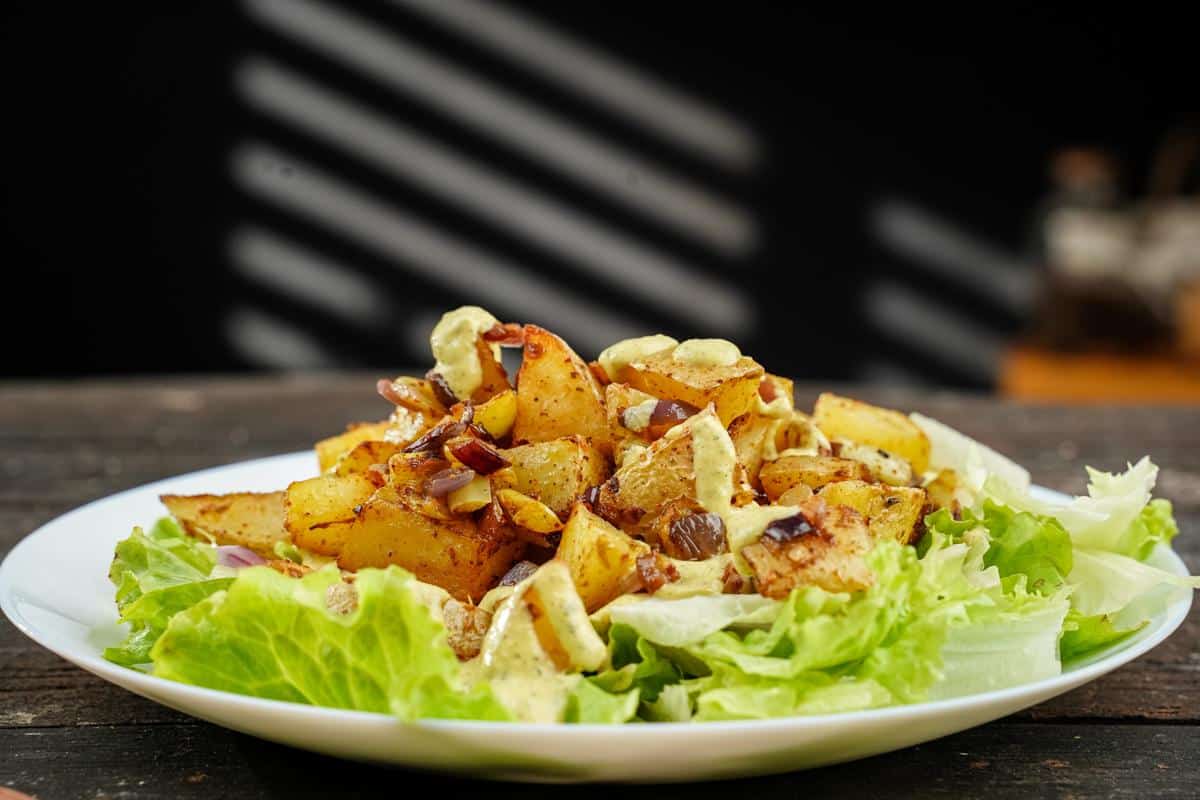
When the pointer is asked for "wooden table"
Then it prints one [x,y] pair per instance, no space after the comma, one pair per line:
[66,734]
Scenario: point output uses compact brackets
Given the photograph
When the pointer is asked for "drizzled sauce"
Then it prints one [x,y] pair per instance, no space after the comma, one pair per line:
[453,344]
[618,356]
[707,353]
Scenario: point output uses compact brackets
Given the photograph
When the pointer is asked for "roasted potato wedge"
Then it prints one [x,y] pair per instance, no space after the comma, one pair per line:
[643,486]
[495,379]
[363,456]
[525,512]
[828,553]
[892,512]
[753,438]
[815,471]
[843,418]
[245,518]
[733,389]
[602,559]
[497,415]
[557,472]
[319,513]
[330,451]
[619,398]
[453,553]
[557,395]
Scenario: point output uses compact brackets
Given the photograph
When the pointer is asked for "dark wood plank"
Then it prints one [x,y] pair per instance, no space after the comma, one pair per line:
[1113,761]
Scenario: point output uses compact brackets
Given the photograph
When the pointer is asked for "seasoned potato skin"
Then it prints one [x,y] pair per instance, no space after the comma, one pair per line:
[733,389]
[557,395]
[331,449]
[814,471]
[844,418]
[892,512]
[829,556]
[319,513]
[602,559]
[249,519]
[557,472]
[637,491]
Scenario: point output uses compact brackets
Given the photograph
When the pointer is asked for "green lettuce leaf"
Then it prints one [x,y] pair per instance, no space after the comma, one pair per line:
[158,573]
[676,623]
[1021,543]
[1082,635]
[272,636]
[1153,526]
[590,703]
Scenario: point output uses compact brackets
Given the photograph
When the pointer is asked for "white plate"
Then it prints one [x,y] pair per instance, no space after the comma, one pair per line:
[54,587]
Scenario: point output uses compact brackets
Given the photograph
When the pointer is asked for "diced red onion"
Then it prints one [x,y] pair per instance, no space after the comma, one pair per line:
[387,390]
[443,483]
[433,440]
[506,334]
[479,456]
[236,556]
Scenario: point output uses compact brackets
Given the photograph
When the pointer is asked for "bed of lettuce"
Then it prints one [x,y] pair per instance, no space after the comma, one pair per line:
[1002,595]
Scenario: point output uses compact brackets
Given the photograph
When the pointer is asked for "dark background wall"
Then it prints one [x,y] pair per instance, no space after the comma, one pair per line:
[227,186]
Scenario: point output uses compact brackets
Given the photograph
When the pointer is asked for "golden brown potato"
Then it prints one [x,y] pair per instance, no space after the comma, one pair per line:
[844,418]
[525,512]
[244,518]
[331,449]
[556,472]
[557,395]
[363,456]
[815,471]
[602,559]
[618,398]
[732,389]
[453,553]
[942,491]
[320,512]
[643,486]
[753,436]
[892,512]
[827,552]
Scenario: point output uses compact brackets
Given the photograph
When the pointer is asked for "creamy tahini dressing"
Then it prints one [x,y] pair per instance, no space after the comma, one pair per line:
[618,356]
[519,671]
[453,344]
[714,460]
[707,353]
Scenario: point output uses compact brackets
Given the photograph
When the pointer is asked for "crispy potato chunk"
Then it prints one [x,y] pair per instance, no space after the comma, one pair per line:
[330,450]
[452,553]
[814,471]
[643,486]
[557,395]
[495,379]
[319,513]
[827,551]
[892,512]
[732,389]
[557,472]
[364,456]
[844,418]
[602,559]
[245,518]
[498,414]
[619,398]
[753,435]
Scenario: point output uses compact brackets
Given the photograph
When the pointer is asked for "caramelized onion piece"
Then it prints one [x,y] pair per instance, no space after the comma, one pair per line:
[518,572]
[666,415]
[387,390]
[592,495]
[479,456]
[789,528]
[433,440]
[443,483]
[505,334]
[696,537]
[441,389]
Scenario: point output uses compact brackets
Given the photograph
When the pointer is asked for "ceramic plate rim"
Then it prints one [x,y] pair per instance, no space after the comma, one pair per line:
[150,686]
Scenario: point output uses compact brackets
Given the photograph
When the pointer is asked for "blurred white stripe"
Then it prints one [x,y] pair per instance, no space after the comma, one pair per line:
[267,341]
[495,112]
[437,257]
[636,96]
[295,271]
[589,245]
[940,247]
[918,323]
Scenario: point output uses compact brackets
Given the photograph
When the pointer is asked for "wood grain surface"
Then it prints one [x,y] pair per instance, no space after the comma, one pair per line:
[66,734]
